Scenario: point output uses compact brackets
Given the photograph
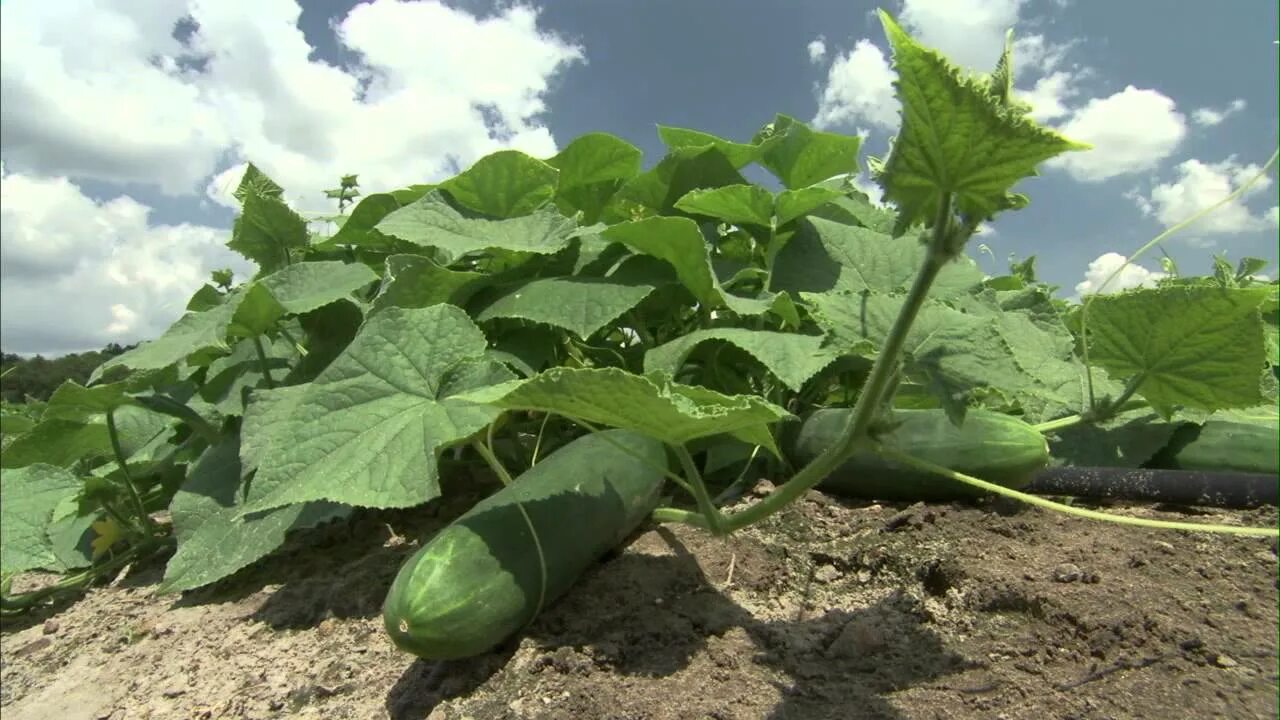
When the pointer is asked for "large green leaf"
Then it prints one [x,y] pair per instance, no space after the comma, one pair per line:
[31,494]
[57,442]
[592,168]
[359,230]
[738,154]
[732,203]
[581,305]
[1193,345]
[303,287]
[268,232]
[800,157]
[679,242]
[202,334]
[957,137]
[213,542]
[684,169]
[367,431]
[792,357]
[432,222]
[416,281]
[505,184]
[825,256]
[652,404]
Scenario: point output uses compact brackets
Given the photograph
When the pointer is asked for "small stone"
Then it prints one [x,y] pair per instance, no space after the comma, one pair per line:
[1225,661]
[1067,572]
[1165,547]
[50,627]
[827,573]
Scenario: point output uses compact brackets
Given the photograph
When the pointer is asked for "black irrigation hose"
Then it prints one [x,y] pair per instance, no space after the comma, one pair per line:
[1179,487]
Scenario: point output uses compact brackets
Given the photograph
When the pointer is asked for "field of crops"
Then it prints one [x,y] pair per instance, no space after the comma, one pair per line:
[826,461]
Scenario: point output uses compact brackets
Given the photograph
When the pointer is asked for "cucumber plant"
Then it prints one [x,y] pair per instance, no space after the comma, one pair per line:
[500,317]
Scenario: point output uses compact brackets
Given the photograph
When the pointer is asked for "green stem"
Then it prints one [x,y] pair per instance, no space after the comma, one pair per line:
[868,403]
[262,360]
[537,444]
[492,461]
[715,519]
[143,516]
[906,459]
[1086,417]
[297,345]
[16,604]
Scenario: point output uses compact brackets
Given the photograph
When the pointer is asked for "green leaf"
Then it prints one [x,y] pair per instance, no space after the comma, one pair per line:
[792,204]
[268,232]
[358,229]
[505,184]
[738,154]
[679,242]
[1127,440]
[951,352]
[592,168]
[825,256]
[800,157]
[652,404]
[581,305]
[304,287]
[31,494]
[732,203]
[254,182]
[205,298]
[416,281]
[57,442]
[683,170]
[956,137]
[368,429]
[793,358]
[73,401]
[229,378]
[213,542]
[201,336]
[255,314]
[1192,345]
[432,222]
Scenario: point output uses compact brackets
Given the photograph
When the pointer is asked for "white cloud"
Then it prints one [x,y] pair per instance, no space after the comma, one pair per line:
[78,274]
[859,87]
[1208,117]
[969,32]
[1200,185]
[1102,267]
[817,49]
[1049,95]
[1131,131]
[111,96]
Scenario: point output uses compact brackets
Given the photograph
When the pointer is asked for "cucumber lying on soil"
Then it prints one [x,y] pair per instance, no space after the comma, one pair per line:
[483,577]
[1237,442]
[989,446]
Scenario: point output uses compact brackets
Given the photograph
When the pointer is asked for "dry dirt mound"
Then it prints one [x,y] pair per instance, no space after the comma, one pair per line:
[828,610]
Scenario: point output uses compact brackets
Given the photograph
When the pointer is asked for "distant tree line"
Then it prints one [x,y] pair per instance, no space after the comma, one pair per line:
[39,376]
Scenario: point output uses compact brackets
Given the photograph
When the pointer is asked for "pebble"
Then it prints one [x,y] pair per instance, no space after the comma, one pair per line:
[1067,572]
[1225,661]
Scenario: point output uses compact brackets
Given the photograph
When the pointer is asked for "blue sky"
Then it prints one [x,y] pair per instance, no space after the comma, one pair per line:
[124,125]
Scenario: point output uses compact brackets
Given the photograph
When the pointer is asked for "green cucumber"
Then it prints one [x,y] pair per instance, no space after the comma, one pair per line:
[989,446]
[1232,442]
[482,578]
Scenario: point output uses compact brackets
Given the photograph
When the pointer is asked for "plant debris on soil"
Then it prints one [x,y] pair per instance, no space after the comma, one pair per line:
[829,609]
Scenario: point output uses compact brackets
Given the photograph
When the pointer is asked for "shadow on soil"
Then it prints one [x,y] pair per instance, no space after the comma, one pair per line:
[652,617]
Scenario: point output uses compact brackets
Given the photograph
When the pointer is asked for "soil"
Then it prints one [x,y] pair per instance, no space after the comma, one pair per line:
[830,609]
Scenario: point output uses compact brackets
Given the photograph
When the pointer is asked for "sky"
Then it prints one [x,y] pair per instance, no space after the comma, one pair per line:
[125,124]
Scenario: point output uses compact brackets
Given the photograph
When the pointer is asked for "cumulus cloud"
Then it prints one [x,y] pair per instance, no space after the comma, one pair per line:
[817,49]
[113,97]
[1095,278]
[859,87]
[1131,131]
[1199,185]
[78,273]
[1208,117]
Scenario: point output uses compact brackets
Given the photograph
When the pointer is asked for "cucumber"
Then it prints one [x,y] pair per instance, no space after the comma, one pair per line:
[481,579]
[1233,443]
[989,446]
